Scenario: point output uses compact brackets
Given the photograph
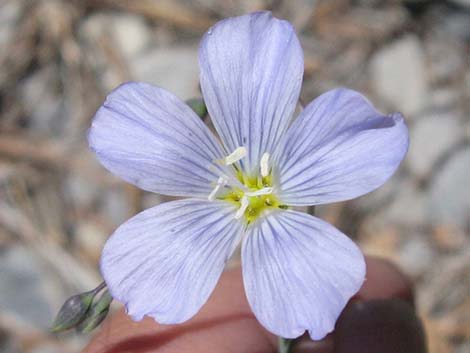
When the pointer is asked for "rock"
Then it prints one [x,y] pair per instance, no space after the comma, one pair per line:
[450,192]
[131,34]
[81,190]
[22,288]
[456,24]
[430,138]
[444,97]
[44,107]
[227,9]
[466,129]
[399,75]
[116,206]
[450,238]
[400,205]
[446,57]
[408,207]
[381,196]
[464,3]
[47,348]
[299,15]
[9,14]
[378,23]
[126,36]
[90,240]
[416,255]
[172,68]
[150,199]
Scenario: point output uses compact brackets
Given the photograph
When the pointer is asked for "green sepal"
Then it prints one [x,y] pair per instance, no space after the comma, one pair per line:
[96,314]
[72,311]
[198,106]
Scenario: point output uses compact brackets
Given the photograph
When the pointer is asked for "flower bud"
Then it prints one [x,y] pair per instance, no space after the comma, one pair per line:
[96,314]
[74,310]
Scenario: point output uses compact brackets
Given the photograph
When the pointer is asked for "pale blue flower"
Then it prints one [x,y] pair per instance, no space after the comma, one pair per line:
[298,270]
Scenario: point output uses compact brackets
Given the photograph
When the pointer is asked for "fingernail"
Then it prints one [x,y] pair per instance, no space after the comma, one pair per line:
[383,325]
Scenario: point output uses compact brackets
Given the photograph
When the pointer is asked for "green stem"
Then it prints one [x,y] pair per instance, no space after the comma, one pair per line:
[99,288]
[286,345]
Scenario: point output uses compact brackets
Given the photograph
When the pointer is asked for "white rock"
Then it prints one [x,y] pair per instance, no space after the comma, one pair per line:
[380,196]
[9,14]
[399,75]
[90,239]
[173,68]
[116,206]
[416,255]
[149,200]
[45,109]
[46,348]
[83,192]
[443,96]
[131,34]
[299,15]
[456,24]
[22,291]
[450,192]
[446,57]
[430,138]
[408,208]
[92,27]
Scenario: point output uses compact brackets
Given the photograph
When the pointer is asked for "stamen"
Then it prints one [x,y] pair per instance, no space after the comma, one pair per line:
[235,156]
[221,182]
[243,206]
[265,164]
[263,191]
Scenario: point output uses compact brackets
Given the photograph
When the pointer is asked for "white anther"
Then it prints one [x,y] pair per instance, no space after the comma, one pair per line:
[265,164]
[235,156]
[263,191]
[243,206]
[221,182]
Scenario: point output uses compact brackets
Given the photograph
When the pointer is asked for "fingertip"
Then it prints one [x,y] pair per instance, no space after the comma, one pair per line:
[224,324]
[226,321]
[380,325]
[384,280]
[381,317]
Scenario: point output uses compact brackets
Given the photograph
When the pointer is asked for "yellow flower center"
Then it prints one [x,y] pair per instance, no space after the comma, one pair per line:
[255,196]
[256,204]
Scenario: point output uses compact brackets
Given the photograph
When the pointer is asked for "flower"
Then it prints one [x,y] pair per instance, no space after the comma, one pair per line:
[298,271]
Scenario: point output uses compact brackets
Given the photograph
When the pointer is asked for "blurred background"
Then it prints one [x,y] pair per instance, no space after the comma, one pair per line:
[58,60]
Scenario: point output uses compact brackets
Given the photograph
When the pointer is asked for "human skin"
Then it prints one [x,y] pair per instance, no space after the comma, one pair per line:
[379,318]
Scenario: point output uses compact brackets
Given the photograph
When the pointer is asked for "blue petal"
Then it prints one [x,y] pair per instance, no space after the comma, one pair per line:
[165,261]
[339,148]
[150,138]
[299,272]
[251,73]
